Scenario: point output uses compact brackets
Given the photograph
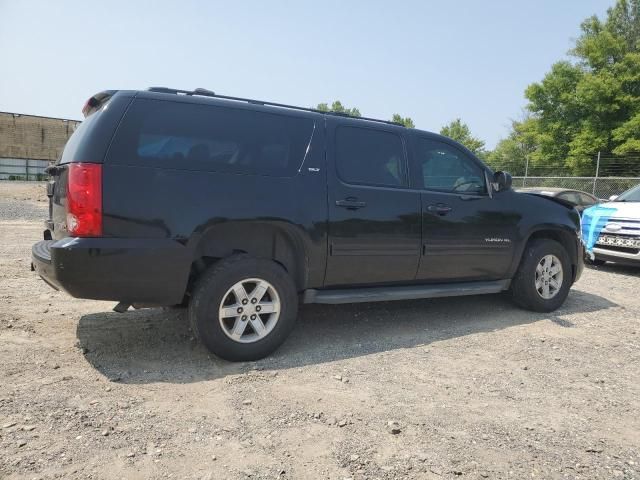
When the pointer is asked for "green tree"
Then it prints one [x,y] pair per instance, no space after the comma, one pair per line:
[511,153]
[337,107]
[459,131]
[589,103]
[406,121]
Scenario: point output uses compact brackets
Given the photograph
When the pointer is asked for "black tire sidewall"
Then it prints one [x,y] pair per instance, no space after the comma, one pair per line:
[596,262]
[523,286]
[215,284]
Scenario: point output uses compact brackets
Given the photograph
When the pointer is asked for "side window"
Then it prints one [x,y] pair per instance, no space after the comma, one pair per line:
[211,138]
[370,157]
[440,166]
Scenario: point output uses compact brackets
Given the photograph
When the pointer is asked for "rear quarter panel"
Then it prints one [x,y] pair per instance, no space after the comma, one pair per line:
[89,143]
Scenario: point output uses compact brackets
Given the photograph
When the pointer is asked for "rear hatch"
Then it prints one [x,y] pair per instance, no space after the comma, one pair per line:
[87,147]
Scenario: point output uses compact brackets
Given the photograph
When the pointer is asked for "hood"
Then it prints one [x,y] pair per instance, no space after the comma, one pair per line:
[557,200]
[623,209]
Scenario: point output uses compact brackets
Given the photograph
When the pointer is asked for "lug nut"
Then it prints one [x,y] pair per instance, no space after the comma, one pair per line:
[254,300]
[244,317]
[239,309]
[253,317]
[245,301]
[258,308]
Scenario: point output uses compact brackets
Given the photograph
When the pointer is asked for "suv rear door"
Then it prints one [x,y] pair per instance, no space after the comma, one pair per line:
[374,220]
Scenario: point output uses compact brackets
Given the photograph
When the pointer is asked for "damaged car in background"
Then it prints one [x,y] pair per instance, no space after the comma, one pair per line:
[612,230]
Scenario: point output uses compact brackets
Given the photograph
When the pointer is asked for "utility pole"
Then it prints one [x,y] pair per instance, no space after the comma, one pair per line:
[595,179]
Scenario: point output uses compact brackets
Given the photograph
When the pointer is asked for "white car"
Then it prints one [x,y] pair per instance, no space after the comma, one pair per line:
[619,239]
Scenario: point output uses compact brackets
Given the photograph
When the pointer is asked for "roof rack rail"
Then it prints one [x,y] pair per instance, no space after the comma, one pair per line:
[208,93]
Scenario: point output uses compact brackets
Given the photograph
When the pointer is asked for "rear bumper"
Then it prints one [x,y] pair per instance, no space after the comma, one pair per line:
[150,271]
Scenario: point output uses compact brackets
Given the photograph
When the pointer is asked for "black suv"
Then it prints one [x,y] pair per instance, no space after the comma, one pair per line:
[240,209]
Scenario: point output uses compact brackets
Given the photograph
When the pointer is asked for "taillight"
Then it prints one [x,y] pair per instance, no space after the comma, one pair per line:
[84,200]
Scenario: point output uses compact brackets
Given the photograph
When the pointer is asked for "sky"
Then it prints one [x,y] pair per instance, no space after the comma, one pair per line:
[433,61]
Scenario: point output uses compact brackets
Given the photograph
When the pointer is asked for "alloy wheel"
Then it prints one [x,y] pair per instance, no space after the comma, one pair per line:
[249,311]
[549,276]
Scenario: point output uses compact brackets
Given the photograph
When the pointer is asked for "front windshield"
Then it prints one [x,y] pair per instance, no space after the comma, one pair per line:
[632,195]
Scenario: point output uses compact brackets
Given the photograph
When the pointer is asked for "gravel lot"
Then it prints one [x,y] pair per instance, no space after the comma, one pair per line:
[23,201]
[431,389]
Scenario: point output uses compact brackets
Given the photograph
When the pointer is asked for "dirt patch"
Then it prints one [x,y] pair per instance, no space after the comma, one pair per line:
[431,389]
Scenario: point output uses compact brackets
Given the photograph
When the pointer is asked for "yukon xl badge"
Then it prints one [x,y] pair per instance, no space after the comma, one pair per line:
[497,240]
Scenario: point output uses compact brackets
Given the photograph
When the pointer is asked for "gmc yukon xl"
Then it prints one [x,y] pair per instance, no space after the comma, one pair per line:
[240,209]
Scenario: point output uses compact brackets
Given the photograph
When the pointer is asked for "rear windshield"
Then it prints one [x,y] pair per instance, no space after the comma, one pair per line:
[190,136]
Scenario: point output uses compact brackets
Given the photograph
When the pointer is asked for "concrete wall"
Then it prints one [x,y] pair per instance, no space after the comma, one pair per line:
[28,143]
[32,137]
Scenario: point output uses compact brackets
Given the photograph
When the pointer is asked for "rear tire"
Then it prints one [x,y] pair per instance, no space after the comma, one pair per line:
[227,310]
[544,277]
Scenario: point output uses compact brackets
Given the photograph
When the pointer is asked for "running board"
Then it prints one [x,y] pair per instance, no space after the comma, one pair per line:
[406,292]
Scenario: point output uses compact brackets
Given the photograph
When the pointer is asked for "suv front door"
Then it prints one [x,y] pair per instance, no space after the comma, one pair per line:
[466,234]
[374,219]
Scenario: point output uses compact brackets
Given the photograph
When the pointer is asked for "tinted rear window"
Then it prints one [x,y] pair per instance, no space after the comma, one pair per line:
[370,157]
[210,138]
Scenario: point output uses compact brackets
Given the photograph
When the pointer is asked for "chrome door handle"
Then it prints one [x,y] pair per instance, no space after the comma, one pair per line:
[440,209]
[350,203]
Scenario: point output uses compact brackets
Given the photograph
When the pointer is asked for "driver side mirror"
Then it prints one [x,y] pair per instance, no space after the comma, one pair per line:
[501,181]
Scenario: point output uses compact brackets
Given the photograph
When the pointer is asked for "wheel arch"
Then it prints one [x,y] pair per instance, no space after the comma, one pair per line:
[564,236]
[277,241]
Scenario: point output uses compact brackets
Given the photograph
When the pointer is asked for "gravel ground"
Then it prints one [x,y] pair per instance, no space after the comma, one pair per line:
[23,200]
[431,389]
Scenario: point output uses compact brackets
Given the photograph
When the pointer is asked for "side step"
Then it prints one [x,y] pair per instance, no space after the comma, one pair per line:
[406,292]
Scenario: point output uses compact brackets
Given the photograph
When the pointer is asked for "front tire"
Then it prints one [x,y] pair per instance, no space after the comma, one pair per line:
[243,308]
[596,262]
[544,277]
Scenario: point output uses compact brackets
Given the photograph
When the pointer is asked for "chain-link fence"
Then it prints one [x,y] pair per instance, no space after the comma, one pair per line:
[602,175]
[601,187]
